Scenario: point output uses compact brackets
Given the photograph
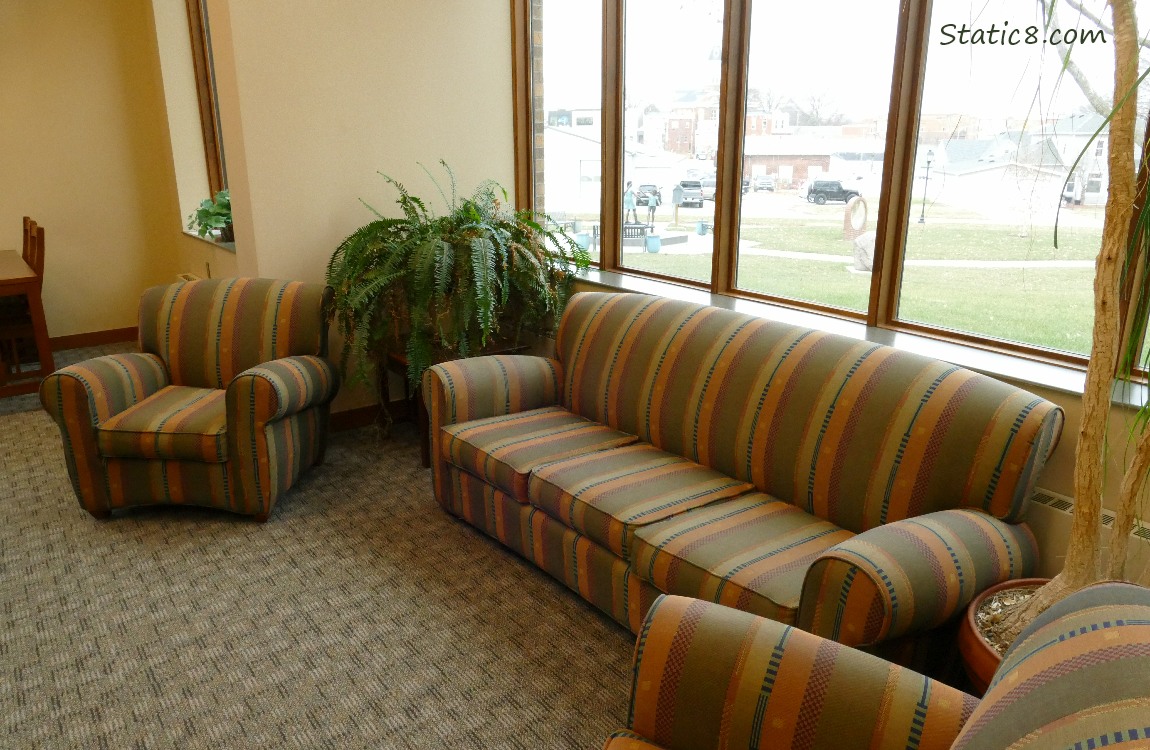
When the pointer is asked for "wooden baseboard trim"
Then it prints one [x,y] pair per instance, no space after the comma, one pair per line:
[93,338]
[353,419]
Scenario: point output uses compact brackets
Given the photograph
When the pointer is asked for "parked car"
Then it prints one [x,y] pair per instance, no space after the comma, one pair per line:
[765,182]
[692,193]
[708,187]
[644,191]
[822,191]
[746,185]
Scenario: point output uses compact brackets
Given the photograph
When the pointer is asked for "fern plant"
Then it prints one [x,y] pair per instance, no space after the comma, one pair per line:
[444,287]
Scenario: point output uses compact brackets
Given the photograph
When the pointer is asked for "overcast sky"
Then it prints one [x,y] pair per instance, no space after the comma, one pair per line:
[795,53]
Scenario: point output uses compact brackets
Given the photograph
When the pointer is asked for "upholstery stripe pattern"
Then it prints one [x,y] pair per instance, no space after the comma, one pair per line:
[707,676]
[225,408]
[495,513]
[911,575]
[134,482]
[468,389]
[798,412]
[607,495]
[211,330]
[587,569]
[83,395]
[750,553]
[504,449]
[625,740]
[1077,677]
[177,422]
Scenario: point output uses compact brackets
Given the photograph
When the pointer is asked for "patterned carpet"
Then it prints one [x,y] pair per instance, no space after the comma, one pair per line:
[359,616]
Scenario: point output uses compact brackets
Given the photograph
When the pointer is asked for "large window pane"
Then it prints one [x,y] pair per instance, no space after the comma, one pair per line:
[818,89]
[670,134]
[568,39]
[1000,130]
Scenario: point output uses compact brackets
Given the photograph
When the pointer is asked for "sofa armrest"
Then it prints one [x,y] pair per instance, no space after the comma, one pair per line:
[81,396]
[706,676]
[489,386]
[911,575]
[282,387]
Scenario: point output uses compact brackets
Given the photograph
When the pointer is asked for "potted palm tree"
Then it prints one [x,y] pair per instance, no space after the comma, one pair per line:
[438,287]
[1125,241]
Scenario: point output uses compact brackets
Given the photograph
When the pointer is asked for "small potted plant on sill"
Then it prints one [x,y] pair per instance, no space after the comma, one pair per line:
[214,217]
[439,287]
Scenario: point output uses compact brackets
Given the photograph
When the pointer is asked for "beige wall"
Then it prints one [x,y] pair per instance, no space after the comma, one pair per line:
[86,153]
[314,103]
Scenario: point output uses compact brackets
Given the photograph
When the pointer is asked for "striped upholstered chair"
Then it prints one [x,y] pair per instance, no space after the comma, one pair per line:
[706,676]
[225,406]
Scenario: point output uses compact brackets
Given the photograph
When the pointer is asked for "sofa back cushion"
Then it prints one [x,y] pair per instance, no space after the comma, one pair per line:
[854,432]
[209,331]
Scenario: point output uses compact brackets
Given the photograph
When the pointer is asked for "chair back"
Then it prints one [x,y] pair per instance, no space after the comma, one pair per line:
[33,252]
[208,331]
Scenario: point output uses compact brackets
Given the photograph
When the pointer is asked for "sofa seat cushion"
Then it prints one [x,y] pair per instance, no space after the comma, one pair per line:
[609,494]
[503,450]
[175,423]
[751,553]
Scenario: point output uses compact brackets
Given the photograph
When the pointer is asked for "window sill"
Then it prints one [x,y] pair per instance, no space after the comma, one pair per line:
[227,246]
[1019,370]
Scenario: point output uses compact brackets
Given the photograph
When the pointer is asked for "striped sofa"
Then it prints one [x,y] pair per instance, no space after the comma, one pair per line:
[225,405]
[858,491]
[707,676]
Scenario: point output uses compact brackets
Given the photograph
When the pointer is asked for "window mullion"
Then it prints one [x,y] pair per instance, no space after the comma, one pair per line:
[611,211]
[898,166]
[732,119]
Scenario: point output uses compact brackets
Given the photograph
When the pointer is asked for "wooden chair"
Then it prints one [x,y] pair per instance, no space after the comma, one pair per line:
[23,332]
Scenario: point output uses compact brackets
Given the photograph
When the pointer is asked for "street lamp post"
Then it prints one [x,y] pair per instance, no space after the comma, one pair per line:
[925,185]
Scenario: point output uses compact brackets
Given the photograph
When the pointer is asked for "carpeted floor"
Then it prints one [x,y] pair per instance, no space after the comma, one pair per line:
[359,616]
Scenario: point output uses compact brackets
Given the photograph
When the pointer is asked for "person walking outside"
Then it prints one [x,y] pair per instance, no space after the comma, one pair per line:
[652,202]
[629,205]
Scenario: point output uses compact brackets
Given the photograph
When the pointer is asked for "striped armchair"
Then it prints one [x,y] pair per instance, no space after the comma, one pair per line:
[225,405]
[706,676]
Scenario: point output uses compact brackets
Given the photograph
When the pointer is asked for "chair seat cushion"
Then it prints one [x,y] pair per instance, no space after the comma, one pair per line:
[503,450]
[175,423]
[751,553]
[609,494]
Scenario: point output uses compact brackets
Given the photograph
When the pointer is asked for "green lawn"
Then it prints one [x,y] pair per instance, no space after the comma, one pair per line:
[937,241]
[1045,307]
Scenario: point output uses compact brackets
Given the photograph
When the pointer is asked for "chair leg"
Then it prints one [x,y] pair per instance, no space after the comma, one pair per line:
[102,514]
[262,517]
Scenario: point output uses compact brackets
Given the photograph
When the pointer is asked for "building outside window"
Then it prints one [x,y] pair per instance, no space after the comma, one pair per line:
[886,161]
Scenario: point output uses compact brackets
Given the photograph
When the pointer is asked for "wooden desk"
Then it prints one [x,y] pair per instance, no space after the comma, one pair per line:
[17,278]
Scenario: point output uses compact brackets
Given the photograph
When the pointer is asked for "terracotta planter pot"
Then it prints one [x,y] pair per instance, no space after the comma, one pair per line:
[978,658]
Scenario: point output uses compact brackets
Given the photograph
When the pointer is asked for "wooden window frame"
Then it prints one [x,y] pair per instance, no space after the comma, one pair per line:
[894,211]
[201,40]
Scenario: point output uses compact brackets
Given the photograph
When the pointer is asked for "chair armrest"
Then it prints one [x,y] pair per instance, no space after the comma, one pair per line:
[706,676]
[82,396]
[1075,677]
[489,386]
[282,387]
[102,387]
[911,575]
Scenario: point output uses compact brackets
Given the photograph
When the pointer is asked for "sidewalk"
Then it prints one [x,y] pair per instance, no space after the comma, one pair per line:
[704,245]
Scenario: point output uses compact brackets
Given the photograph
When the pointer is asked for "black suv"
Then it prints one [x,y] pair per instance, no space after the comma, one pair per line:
[822,191]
